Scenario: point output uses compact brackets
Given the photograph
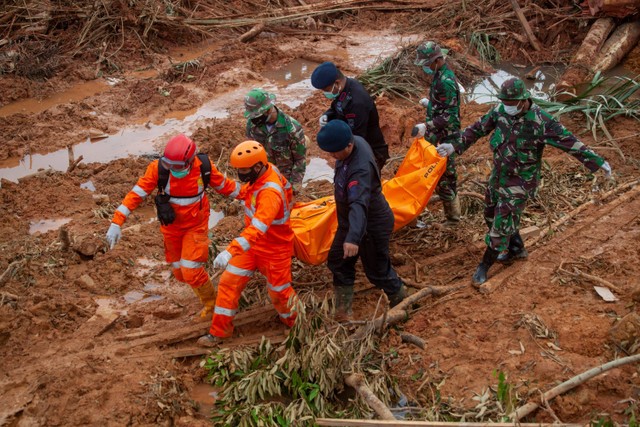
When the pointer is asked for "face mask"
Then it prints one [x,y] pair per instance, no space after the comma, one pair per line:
[249,177]
[260,120]
[180,174]
[427,70]
[512,110]
[331,95]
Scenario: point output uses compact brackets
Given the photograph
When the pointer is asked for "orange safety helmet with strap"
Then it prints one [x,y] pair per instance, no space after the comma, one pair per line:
[247,154]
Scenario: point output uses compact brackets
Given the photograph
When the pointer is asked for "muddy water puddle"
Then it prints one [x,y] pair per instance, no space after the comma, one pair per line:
[318,169]
[205,396]
[291,84]
[44,225]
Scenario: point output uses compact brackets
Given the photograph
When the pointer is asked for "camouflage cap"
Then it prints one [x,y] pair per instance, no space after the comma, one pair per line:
[257,102]
[513,88]
[429,52]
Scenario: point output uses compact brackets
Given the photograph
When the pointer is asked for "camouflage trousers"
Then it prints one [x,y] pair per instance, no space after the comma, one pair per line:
[502,215]
[447,187]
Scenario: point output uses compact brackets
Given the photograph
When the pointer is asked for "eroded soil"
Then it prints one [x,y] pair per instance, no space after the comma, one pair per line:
[77,322]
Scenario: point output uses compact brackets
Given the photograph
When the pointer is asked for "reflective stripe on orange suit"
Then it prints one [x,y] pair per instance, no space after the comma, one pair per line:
[186,242]
[266,245]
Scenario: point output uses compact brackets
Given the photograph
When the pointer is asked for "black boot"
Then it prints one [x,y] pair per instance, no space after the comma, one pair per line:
[516,250]
[488,259]
[343,301]
[396,298]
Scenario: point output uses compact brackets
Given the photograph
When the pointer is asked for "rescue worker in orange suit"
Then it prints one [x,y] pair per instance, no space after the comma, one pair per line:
[265,244]
[183,212]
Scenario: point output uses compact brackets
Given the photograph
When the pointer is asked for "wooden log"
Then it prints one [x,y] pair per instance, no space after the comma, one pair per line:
[257,29]
[525,25]
[358,383]
[580,66]
[615,8]
[618,45]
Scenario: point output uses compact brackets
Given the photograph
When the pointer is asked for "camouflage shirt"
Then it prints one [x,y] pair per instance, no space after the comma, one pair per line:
[285,145]
[443,112]
[517,144]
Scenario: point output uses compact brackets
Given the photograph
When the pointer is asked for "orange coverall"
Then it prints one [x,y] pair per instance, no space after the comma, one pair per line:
[266,244]
[186,240]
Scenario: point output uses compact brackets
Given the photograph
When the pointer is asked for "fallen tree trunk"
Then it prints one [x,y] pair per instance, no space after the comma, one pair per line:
[358,383]
[525,410]
[621,42]
[617,8]
[580,66]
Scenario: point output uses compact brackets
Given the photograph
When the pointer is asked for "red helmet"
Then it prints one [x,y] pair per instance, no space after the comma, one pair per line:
[179,153]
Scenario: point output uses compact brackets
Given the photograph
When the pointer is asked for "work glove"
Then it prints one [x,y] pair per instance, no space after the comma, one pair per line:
[419,130]
[113,235]
[606,167]
[222,259]
[323,120]
[445,150]
[424,102]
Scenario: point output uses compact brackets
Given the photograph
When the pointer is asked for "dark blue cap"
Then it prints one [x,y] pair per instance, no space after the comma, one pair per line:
[324,75]
[334,136]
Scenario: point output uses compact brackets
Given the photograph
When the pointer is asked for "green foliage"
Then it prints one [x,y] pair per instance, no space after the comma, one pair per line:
[397,76]
[481,42]
[603,99]
[299,380]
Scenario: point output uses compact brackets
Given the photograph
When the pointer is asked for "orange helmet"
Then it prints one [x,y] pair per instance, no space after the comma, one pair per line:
[248,153]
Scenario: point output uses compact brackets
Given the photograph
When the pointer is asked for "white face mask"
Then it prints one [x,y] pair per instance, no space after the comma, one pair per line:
[512,110]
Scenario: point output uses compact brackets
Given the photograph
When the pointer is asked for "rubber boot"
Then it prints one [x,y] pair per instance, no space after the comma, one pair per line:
[207,296]
[344,299]
[452,210]
[209,340]
[396,298]
[488,259]
[516,250]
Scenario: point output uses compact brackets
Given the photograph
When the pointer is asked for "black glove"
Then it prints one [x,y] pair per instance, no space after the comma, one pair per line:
[166,215]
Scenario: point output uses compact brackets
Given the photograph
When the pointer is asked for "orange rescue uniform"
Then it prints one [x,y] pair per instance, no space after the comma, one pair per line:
[266,244]
[186,240]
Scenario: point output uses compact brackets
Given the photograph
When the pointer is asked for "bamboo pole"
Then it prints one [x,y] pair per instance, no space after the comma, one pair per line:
[525,410]
[525,25]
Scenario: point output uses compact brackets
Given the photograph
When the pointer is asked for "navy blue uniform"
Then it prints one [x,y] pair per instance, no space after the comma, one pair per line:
[356,107]
[364,219]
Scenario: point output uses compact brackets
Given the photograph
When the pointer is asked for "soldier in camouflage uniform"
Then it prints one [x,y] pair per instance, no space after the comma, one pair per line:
[442,123]
[521,130]
[280,134]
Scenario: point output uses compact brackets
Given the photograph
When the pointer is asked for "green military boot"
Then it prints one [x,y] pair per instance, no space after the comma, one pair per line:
[516,250]
[452,210]
[344,299]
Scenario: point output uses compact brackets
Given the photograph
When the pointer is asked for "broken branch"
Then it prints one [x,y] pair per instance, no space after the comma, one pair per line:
[358,383]
[525,410]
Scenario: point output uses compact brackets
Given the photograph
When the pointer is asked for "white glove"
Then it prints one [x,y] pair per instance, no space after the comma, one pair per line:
[445,150]
[424,102]
[113,235]
[419,130]
[222,259]
[606,167]
[323,120]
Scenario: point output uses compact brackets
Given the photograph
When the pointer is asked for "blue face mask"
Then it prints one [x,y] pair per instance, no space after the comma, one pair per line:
[427,70]
[331,95]
[180,174]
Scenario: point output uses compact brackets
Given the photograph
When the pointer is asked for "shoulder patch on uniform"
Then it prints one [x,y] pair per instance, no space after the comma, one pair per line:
[352,184]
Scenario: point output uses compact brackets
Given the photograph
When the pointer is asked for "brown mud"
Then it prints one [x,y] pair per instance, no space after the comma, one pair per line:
[74,316]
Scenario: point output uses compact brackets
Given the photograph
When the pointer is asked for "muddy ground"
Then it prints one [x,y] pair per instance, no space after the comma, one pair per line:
[77,322]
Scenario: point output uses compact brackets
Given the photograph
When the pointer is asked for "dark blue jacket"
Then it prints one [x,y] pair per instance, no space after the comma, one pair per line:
[361,206]
[355,106]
